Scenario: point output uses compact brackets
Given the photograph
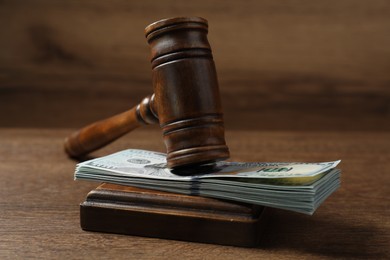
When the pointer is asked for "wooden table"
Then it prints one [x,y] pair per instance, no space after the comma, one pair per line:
[39,201]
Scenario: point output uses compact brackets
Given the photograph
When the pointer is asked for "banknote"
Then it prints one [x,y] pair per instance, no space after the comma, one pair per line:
[150,164]
[300,187]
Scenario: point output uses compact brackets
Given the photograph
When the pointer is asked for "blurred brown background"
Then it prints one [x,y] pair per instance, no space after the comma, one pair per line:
[282,65]
[301,80]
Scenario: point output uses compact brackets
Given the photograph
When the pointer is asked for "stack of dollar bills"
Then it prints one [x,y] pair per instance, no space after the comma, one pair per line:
[300,187]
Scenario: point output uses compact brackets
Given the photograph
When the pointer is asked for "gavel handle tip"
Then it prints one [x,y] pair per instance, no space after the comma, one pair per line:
[72,147]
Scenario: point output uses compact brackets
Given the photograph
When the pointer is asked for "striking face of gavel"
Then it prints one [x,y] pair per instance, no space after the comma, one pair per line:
[186,99]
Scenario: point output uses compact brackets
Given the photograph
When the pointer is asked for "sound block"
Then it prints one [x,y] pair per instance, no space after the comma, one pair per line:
[149,213]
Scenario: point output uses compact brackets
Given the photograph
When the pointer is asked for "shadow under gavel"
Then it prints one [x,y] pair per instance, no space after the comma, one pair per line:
[186,100]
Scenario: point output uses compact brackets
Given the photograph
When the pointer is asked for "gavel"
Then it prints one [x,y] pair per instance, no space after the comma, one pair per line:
[186,100]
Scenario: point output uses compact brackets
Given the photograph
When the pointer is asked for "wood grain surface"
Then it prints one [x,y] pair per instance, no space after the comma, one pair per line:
[311,64]
[39,201]
[299,80]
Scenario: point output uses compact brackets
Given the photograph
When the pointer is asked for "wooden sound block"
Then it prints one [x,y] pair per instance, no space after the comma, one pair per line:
[141,212]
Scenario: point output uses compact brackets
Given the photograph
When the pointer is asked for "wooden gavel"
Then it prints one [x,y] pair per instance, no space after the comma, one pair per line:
[186,101]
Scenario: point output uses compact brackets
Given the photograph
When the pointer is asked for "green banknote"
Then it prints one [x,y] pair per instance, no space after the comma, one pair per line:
[300,187]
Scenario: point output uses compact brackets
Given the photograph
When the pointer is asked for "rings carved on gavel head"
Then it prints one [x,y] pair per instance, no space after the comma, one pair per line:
[186,91]
[186,98]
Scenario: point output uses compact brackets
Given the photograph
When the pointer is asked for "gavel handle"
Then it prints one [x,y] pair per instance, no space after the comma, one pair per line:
[101,133]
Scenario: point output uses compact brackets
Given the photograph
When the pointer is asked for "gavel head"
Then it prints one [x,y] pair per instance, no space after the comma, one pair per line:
[186,92]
